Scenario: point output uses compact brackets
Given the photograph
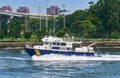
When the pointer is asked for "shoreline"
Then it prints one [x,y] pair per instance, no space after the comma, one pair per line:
[16,45]
[103,45]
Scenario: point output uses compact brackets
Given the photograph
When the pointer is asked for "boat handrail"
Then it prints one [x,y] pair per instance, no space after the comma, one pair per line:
[28,44]
[92,44]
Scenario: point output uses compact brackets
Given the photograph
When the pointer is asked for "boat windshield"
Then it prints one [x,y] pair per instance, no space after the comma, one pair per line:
[54,43]
[46,43]
[58,43]
[63,44]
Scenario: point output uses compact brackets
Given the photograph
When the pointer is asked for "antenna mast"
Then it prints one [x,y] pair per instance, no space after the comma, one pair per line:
[63,15]
[46,18]
[40,17]
[54,22]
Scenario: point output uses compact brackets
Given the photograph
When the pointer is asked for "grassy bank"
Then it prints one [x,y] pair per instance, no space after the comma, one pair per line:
[19,40]
[33,39]
[101,39]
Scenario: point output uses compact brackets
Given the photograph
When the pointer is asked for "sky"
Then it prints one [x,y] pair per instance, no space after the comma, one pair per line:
[70,5]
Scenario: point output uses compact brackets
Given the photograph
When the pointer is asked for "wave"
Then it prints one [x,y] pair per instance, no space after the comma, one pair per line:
[15,58]
[57,57]
[51,57]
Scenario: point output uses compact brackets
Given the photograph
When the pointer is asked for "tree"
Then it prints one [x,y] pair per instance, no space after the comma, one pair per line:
[1,34]
[59,23]
[41,33]
[79,15]
[14,27]
[61,33]
[27,35]
[33,24]
[82,28]
[105,14]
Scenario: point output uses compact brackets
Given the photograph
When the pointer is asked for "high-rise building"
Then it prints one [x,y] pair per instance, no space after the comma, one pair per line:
[23,10]
[53,10]
[6,9]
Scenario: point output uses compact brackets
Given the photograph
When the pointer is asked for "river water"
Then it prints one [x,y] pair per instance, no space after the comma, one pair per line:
[18,64]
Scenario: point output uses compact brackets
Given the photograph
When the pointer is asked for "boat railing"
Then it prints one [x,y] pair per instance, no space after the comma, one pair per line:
[70,39]
[92,44]
[28,45]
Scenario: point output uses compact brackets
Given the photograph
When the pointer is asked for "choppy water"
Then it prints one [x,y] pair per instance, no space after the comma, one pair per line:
[18,64]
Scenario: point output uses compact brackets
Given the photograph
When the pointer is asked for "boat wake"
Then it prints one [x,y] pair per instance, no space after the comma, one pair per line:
[14,58]
[51,57]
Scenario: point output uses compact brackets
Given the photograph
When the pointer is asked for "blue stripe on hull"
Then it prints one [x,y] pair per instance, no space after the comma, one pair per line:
[32,52]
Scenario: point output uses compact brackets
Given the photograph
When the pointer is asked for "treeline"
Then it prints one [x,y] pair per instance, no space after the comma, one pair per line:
[101,20]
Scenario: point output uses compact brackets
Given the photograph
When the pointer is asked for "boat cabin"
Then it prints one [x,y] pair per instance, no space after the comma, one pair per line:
[53,43]
[58,44]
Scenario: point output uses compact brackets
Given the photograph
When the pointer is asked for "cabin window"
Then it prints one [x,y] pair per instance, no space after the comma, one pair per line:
[58,43]
[50,43]
[42,43]
[46,43]
[63,44]
[69,44]
[54,43]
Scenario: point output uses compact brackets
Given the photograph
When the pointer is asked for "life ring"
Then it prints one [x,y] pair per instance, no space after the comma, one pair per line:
[45,47]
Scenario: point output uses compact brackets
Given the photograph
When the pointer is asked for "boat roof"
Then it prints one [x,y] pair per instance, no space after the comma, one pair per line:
[52,39]
[56,39]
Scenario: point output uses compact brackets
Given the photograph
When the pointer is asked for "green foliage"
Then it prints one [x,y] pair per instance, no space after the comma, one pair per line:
[105,14]
[33,24]
[79,15]
[27,35]
[59,23]
[14,28]
[61,33]
[41,33]
[1,34]
[101,20]
[81,28]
